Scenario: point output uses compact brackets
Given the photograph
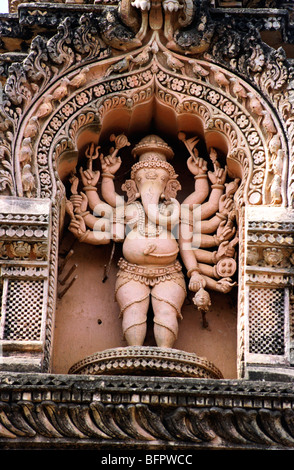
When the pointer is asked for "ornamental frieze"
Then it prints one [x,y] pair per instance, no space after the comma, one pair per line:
[168,87]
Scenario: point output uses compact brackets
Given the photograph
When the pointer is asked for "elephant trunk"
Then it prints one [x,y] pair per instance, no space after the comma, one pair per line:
[150,198]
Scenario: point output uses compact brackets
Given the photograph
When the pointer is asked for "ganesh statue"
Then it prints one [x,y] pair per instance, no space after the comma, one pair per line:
[167,246]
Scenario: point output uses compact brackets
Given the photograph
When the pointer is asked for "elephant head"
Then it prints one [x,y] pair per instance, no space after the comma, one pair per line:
[153,180]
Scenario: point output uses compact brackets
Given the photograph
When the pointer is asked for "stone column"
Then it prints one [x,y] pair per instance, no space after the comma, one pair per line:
[268,292]
[24,263]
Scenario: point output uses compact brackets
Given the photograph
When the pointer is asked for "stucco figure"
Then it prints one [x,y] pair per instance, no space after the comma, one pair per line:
[155,229]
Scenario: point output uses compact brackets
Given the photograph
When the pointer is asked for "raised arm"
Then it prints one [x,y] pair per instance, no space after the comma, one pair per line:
[110,164]
[90,179]
[225,206]
[76,207]
[198,168]
[217,179]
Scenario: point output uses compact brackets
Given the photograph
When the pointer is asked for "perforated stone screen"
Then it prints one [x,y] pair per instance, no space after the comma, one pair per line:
[23,319]
[266,321]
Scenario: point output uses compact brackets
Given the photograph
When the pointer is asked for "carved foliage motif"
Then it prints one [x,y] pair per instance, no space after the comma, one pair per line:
[27,82]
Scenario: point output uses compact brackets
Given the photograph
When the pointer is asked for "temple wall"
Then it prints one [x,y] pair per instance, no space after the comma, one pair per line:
[212,79]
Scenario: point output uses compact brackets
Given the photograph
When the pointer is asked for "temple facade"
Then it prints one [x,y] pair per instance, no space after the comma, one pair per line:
[146,224]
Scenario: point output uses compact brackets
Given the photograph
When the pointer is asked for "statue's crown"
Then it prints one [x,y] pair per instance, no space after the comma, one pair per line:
[153,143]
[153,153]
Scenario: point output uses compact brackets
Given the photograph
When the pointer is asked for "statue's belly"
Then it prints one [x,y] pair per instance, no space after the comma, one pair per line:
[162,250]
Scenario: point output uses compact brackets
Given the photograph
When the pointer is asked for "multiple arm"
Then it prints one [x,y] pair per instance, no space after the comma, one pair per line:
[106,223]
[214,227]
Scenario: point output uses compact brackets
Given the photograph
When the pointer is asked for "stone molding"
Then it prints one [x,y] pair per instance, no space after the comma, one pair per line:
[42,411]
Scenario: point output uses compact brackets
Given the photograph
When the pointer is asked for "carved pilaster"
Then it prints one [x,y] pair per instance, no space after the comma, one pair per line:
[268,284]
[24,242]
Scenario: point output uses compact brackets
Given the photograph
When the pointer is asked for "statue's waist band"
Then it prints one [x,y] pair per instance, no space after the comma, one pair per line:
[150,272]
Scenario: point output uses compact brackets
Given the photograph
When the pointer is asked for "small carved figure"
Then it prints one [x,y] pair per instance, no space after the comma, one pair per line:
[276,183]
[268,124]
[61,90]
[275,190]
[26,151]
[220,78]
[142,58]
[119,67]
[173,63]
[32,128]
[274,144]
[28,181]
[20,249]
[80,79]
[255,104]
[273,256]
[238,89]
[45,107]
[198,70]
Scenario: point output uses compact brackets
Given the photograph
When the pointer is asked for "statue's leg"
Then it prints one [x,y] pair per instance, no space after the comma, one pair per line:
[167,300]
[133,298]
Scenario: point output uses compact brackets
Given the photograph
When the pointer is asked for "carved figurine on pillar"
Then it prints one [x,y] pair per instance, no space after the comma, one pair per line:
[155,229]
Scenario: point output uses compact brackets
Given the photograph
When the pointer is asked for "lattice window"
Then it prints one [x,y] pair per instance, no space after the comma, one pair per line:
[266,321]
[23,317]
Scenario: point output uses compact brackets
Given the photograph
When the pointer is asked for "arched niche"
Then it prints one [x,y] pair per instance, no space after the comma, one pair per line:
[168,121]
[87,317]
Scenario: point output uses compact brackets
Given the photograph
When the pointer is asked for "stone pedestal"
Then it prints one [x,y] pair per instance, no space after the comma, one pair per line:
[146,360]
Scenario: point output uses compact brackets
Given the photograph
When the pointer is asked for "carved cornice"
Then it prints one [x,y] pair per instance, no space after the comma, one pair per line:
[48,15]
[145,412]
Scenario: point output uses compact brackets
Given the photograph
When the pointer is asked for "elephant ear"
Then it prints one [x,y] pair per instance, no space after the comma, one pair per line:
[172,187]
[130,188]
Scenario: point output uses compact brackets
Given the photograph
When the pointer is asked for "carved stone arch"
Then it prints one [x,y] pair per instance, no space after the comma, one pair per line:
[84,111]
[226,116]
